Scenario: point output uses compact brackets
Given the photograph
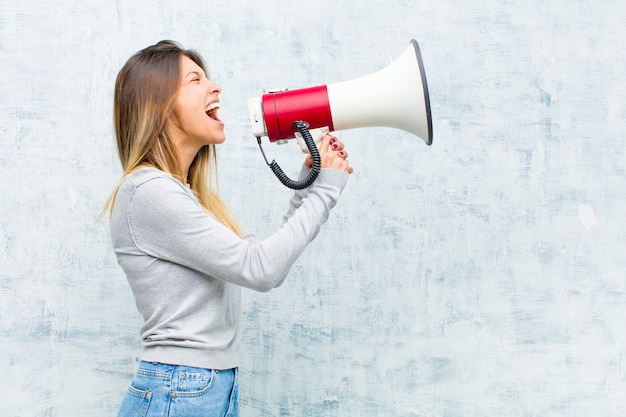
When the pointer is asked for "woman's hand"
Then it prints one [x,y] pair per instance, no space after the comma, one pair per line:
[332,154]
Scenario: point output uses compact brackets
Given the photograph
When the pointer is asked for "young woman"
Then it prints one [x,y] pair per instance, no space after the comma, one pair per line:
[185,256]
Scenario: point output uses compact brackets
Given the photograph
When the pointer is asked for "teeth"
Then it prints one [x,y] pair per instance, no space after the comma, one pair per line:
[212,107]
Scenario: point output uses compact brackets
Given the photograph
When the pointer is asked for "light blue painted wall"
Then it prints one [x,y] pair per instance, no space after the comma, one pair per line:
[483,276]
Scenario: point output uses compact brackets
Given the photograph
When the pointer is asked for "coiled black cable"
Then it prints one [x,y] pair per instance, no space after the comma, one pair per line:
[315,169]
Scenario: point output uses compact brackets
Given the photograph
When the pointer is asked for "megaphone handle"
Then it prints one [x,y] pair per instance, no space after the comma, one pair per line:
[317,135]
[315,169]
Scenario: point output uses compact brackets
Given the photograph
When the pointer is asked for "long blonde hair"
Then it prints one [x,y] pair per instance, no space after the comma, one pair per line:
[145,93]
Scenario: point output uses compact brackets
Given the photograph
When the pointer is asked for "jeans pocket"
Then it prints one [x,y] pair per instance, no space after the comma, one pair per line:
[135,403]
[194,382]
[203,396]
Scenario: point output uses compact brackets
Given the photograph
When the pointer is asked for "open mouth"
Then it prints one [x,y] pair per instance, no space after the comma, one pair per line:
[211,111]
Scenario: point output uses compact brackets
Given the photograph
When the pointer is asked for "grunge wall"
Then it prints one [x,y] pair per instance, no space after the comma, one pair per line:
[481,276]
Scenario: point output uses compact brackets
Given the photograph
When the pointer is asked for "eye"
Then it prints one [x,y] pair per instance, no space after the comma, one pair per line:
[194,77]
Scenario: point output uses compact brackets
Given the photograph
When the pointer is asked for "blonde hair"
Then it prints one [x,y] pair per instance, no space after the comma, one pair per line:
[145,93]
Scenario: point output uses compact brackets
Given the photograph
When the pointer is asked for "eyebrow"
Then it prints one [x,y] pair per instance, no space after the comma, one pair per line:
[199,74]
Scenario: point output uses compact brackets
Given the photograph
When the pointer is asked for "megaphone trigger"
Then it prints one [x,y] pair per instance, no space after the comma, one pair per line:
[317,135]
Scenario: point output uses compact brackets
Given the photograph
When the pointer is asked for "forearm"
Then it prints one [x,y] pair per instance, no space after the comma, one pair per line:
[296,198]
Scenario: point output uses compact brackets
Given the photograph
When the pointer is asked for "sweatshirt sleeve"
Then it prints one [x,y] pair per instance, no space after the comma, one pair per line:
[165,221]
[298,195]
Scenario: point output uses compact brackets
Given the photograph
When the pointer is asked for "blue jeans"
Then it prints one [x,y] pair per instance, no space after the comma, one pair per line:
[175,391]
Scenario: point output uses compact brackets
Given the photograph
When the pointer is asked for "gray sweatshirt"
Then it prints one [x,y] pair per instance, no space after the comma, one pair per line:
[186,269]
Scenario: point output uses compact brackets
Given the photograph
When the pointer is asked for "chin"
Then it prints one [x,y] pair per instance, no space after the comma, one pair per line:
[214,137]
[219,139]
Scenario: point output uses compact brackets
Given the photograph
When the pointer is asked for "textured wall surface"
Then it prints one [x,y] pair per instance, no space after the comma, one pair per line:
[482,276]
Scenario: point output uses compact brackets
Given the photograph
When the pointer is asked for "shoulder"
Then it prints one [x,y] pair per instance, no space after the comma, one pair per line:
[152,182]
[150,189]
[146,178]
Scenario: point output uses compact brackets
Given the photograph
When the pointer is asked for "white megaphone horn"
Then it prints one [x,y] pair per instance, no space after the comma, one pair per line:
[396,96]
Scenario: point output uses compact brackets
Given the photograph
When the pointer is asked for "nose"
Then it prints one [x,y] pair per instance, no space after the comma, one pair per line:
[215,89]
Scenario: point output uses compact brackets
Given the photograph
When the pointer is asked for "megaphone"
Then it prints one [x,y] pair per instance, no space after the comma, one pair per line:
[396,96]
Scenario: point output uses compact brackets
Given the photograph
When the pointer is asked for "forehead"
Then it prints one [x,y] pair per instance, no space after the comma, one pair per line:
[188,66]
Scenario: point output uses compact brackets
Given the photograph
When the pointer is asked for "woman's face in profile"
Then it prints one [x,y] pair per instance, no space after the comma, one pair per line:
[195,111]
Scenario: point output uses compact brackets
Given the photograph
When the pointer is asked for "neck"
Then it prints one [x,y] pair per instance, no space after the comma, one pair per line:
[186,148]
[186,155]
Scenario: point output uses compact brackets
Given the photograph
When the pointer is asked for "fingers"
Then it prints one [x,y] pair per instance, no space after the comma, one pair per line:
[308,161]
[337,154]
[326,141]
[333,154]
[335,144]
